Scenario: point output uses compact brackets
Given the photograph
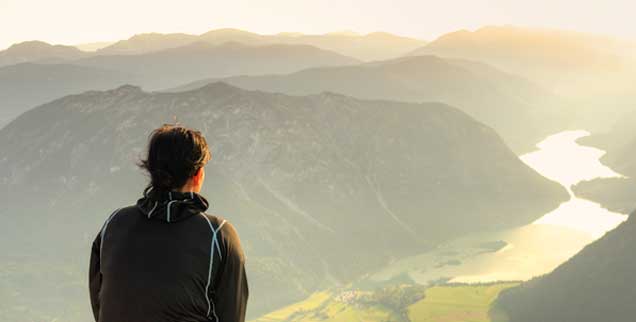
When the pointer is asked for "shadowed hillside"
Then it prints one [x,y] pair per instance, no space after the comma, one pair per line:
[620,144]
[322,188]
[595,285]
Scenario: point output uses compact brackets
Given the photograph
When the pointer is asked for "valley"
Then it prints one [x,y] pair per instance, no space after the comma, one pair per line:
[401,303]
[481,175]
[390,170]
[462,278]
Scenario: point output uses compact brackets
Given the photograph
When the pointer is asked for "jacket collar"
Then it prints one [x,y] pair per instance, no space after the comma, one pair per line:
[172,206]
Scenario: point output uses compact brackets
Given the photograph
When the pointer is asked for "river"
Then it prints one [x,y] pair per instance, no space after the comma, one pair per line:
[563,160]
[530,250]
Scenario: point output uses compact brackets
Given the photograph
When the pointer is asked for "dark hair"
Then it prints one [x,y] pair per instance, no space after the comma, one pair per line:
[175,153]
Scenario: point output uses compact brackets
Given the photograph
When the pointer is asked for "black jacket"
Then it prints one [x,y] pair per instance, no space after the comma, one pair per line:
[167,260]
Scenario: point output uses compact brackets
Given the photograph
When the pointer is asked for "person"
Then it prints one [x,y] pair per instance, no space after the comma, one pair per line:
[165,258]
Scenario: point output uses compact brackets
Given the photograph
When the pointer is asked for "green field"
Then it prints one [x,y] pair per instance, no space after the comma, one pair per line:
[448,303]
[326,306]
[312,303]
[457,303]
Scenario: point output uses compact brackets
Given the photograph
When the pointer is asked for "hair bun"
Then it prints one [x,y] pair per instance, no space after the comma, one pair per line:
[175,153]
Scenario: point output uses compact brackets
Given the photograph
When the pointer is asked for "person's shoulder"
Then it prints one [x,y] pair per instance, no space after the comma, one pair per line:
[128,209]
[122,211]
[112,215]
[214,220]
[225,228]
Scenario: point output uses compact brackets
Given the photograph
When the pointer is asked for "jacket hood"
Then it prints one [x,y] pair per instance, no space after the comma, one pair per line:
[172,206]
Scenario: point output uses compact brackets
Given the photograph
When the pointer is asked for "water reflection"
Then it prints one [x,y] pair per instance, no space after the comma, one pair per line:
[534,249]
[561,159]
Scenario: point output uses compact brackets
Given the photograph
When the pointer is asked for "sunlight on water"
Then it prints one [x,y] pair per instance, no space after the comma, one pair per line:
[561,159]
[534,249]
[583,215]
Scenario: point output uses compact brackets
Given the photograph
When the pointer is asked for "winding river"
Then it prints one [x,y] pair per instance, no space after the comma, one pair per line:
[530,250]
[561,159]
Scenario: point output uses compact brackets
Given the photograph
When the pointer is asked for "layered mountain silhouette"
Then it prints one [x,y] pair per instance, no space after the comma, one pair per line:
[26,85]
[175,66]
[38,51]
[147,43]
[23,86]
[595,285]
[322,188]
[522,112]
[373,46]
[571,63]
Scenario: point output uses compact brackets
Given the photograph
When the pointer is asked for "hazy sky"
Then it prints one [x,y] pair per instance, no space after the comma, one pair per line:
[78,21]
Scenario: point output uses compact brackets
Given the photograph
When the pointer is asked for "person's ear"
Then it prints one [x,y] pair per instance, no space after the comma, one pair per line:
[198,176]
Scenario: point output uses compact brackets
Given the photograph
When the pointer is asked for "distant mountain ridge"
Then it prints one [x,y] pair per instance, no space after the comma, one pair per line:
[553,58]
[594,73]
[93,46]
[322,188]
[34,51]
[171,67]
[23,86]
[373,46]
[491,96]
[145,43]
[26,85]
[577,60]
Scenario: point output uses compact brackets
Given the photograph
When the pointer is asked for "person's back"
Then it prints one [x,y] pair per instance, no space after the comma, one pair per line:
[165,259]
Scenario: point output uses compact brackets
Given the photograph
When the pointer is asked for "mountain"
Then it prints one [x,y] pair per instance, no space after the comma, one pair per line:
[23,86]
[146,43]
[620,143]
[369,47]
[220,36]
[567,62]
[322,188]
[496,98]
[175,66]
[595,285]
[373,46]
[93,46]
[32,51]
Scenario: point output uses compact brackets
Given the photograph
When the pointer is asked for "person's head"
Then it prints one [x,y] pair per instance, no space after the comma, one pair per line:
[176,159]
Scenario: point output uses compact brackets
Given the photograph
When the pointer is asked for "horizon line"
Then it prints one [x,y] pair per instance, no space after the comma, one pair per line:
[353,33]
